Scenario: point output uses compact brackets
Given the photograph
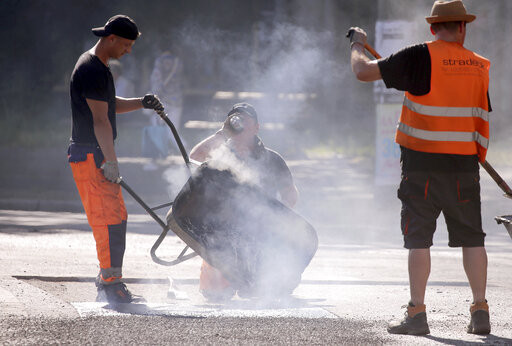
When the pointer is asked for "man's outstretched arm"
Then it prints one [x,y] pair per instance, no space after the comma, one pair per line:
[366,70]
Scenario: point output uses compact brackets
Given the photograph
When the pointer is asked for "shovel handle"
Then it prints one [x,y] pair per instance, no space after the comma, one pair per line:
[497,178]
[366,45]
[372,51]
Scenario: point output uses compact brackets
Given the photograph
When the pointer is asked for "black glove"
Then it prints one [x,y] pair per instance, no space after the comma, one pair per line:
[151,101]
[356,35]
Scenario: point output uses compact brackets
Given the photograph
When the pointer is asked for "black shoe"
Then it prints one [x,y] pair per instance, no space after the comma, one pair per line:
[479,323]
[116,293]
[415,325]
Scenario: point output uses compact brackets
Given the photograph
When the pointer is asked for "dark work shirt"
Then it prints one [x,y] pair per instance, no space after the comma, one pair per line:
[90,79]
[271,169]
[410,70]
[274,173]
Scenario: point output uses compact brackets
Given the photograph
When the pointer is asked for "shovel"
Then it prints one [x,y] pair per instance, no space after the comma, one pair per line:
[506,220]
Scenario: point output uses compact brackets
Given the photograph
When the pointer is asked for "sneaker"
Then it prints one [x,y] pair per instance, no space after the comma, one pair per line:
[479,323]
[414,322]
[116,293]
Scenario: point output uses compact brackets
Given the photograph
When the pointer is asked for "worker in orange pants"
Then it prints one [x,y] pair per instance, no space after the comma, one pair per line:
[106,213]
[91,153]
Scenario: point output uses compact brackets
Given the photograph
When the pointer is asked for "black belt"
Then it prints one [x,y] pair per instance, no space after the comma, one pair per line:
[81,144]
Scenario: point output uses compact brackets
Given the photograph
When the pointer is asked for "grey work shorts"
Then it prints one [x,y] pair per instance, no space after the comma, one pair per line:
[425,194]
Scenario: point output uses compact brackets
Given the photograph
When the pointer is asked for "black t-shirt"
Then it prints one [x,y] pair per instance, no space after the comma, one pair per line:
[274,172]
[271,170]
[90,79]
[410,70]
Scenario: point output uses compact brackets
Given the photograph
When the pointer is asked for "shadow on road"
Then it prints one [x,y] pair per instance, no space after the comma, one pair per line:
[487,340]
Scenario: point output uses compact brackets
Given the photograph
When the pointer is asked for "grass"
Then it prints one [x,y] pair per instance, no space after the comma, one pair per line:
[331,149]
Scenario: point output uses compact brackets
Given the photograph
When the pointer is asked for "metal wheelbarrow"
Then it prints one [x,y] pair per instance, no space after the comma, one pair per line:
[259,245]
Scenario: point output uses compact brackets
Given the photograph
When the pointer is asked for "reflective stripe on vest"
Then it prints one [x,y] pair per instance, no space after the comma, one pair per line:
[453,117]
[442,136]
[446,111]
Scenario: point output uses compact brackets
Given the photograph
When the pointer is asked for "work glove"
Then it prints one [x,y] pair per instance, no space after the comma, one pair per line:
[356,35]
[151,101]
[110,171]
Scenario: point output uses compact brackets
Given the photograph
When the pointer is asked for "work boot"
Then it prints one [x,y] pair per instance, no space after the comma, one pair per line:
[479,323]
[414,322]
[116,293]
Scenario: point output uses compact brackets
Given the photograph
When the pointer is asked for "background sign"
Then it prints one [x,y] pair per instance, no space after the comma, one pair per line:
[390,36]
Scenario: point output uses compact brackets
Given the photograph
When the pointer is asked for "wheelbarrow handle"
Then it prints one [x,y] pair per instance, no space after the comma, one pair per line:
[169,123]
[165,228]
[139,200]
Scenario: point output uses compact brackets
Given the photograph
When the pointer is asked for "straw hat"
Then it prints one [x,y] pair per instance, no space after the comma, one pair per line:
[449,11]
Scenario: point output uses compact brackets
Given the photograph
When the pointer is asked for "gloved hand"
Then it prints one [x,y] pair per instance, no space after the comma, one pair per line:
[110,170]
[151,101]
[356,35]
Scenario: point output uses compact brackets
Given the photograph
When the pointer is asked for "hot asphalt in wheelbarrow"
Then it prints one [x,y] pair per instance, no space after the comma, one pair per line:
[257,243]
[260,245]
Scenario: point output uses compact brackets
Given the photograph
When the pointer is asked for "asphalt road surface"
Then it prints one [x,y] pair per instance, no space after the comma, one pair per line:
[355,284]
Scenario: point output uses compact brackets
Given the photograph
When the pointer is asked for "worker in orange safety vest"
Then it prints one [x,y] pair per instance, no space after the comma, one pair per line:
[443,132]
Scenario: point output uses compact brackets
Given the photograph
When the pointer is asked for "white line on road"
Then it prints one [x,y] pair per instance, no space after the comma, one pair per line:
[89,309]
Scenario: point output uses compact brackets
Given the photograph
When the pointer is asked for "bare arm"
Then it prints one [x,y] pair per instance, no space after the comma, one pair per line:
[102,128]
[201,151]
[124,105]
[366,70]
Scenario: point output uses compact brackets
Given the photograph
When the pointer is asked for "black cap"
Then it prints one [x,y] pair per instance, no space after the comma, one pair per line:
[119,25]
[245,108]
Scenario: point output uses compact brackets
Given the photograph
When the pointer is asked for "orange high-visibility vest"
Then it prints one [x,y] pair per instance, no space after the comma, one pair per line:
[453,118]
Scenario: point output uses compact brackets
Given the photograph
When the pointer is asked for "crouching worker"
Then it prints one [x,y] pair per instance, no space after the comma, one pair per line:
[265,167]
[91,152]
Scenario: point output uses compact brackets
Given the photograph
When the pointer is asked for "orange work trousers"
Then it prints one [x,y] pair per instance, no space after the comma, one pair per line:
[212,280]
[104,206]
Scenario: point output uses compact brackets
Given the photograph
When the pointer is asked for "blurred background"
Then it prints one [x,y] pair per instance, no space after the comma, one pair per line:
[290,59]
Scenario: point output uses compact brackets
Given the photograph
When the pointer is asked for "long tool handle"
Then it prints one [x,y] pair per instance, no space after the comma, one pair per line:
[150,211]
[497,178]
[165,229]
[176,136]
[372,51]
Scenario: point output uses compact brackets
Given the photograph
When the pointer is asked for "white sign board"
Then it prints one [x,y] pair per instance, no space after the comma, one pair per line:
[387,152]
[390,36]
